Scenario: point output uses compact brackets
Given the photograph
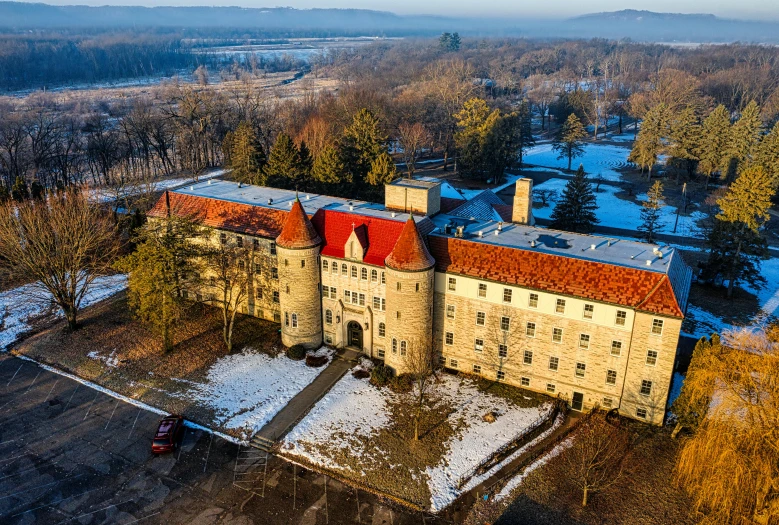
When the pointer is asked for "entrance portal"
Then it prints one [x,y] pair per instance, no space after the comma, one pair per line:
[578,401]
[354,335]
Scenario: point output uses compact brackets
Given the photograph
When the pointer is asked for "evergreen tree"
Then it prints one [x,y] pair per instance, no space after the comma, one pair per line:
[449,41]
[650,212]
[768,154]
[743,140]
[329,168]
[569,142]
[4,195]
[736,243]
[694,400]
[575,210]
[649,143]
[306,161]
[247,157]
[19,191]
[683,141]
[470,135]
[712,146]
[382,170]
[362,144]
[37,191]
[284,166]
[524,132]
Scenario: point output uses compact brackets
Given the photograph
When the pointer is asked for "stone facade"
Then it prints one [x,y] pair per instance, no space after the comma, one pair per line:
[413,196]
[301,305]
[522,207]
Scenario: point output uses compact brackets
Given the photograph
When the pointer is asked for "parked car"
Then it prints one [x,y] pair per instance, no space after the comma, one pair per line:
[168,435]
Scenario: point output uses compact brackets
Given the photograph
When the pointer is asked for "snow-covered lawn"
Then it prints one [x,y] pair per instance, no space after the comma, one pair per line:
[247,390]
[620,213]
[508,180]
[19,305]
[345,432]
[603,159]
[517,480]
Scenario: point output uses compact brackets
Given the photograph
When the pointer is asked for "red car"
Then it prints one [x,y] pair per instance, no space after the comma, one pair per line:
[168,435]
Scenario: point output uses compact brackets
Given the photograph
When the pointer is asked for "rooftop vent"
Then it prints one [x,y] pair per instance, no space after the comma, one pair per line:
[532,244]
[270,201]
[308,197]
[351,208]
[460,231]
[393,214]
[500,226]
[192,188]
[481,233]
[447,228]
[497,232]
[240,184]
[592,246]
[649,262]
[657,253]
[210,181]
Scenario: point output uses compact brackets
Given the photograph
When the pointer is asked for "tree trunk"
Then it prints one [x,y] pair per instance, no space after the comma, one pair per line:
[732,282]
[570,159]
[584,496]
[167,344]
[620,123]
[71,315]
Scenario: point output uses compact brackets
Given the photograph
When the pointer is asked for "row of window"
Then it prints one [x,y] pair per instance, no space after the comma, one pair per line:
[345,270]
[239,243]
[351,297]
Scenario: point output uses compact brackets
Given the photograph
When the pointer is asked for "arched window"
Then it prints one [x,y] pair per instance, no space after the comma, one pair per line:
[402,348]
[286,318]
[295,323]
[354,272]
[364,274]
[374,276]
[344,269]
[394,346]
[329,316]
[382,330]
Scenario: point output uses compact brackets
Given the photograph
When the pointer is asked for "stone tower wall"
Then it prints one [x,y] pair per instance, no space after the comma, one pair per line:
[299,294]
[522,210]
[413,299]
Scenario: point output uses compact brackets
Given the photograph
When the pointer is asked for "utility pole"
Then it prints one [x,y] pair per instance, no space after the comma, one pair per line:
[684,201]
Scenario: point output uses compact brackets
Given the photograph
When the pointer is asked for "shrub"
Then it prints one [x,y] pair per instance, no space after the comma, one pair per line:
[381,375]
[361,373]
[402,383]
[316,361]
[296,352]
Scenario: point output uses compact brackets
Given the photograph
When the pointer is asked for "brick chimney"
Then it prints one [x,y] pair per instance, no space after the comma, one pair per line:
[522,211]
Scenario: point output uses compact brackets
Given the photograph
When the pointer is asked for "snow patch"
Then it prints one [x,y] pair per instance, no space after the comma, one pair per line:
[543,460]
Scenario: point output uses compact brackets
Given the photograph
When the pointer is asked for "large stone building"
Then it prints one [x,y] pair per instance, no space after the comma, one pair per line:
[590,319]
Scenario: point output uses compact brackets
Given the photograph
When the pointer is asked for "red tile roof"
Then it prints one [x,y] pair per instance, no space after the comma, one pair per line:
[376,234]
[298,232]
[631,287]
[410,253]
[252,220]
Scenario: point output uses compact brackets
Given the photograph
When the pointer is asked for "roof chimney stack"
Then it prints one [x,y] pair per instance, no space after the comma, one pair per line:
[522,210]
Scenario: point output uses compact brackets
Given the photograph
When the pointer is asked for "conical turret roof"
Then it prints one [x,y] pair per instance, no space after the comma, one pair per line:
[410,253]
[298,232]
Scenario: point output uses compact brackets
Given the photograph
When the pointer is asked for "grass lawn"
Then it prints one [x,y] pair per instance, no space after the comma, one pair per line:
[235,393]
[365,433]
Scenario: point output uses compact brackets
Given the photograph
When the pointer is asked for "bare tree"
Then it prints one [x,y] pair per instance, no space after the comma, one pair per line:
[420,362]
[413,137]
[64,243]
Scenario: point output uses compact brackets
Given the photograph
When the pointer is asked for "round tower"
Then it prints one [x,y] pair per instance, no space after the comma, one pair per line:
[410,269]
[299,278]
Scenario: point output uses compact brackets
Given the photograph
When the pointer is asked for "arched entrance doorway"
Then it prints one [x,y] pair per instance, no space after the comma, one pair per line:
[354,334]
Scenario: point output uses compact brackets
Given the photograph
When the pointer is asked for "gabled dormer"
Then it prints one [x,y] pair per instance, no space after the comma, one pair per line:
[357,244]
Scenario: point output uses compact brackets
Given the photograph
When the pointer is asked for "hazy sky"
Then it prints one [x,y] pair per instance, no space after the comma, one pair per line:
[745,9]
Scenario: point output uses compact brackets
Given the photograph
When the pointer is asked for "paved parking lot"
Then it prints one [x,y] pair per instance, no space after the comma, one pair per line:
[73,455]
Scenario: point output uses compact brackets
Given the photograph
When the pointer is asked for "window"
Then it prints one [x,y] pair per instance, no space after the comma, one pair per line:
[257,269]
[611,377]
[580,368]
[241,265]
[453,363]
[657,326]
[333,292]
[294,320]
[374,276]
[347,296]
[622,316]
[258,293]
[450,311]
[503,351]
[394,346]
[452,284]
[481,318]
[482,290]
[382,329]
[397,314]
[550,388]
[507,295]
[584,341]
[383,278]
[344,269]
[335,267]
[533,301]
[326,291]
[524,381]
[273,248]
[274,273]
[287,288]
[399,286]
[505,322]
[616,348]
[355,298]
[417,287]
[554,363]
[588,311]
[275,297]
[302,263]
[376,303]
[286,318]
[239,241]
[646,388]
[383,304]
[651,357]
[449,338]
[402,348]
[641,412]
[354,272]
[557,335]
[477,369]
[380,353]
[607,402]
[223,238]
[559,307]
[364,274]
[362,299]
[255,243]
[501,375]
[325,265]
[329,316]
[528,357]
[478,345]
[276,317]
[530,329]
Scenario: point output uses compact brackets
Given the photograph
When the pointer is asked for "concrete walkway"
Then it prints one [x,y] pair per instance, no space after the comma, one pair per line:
[305,400]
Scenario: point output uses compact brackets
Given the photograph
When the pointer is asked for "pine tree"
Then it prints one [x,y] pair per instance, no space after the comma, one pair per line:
[683,141]
[569,142]
[329,168]
[362,144]
[37,191]
[284,166]
[524,130]
[736,243]
[19,191]
[382,171]
[650,213]
[768,154]
[743,140]
[575,210]
[306,161]
[4,195]
[649,143]
[712,147]
[247,157]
